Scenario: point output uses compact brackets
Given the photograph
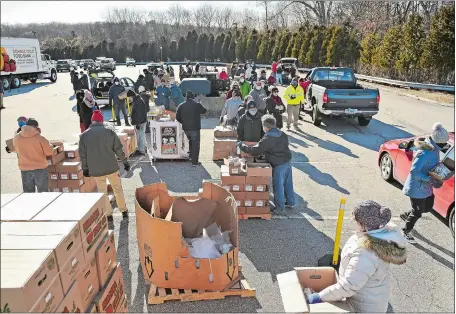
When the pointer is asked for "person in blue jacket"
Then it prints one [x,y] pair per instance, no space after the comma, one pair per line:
[419,183]
[175,95]
[163,95]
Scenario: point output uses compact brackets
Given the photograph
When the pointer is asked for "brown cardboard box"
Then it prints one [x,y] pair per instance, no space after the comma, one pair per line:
[88,186]
[291,286]
[242,210]
[58,144]
[227,187]
[238,188]
[239,195]
[6,198]
[221,131]
[259,169]
[245,155]
[69,170]
[86,208]
[257,196]
[88,283]
[122,136]
[110,298]
[54,186]
[9,144]
[62,237]
[72,152]
[161,246]
[249,188]
[225,144]
[106,258]
[70,185]
[26,206]
[72,302]
[222,155]
[53,176]
[29,281]
[55,159]
[231,180]
[130,130]
[258,210]
[258,180]
[261,188]
[124,305]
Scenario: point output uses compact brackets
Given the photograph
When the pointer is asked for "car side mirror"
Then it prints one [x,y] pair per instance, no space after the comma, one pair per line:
[403,145]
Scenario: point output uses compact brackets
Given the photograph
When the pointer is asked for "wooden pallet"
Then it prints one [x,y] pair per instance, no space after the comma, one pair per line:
[159,295]
[251,216]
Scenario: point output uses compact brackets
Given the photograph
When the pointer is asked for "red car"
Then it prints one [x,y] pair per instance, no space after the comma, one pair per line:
[395,160]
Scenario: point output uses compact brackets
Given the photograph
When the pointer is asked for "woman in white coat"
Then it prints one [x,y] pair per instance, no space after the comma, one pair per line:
[364,274]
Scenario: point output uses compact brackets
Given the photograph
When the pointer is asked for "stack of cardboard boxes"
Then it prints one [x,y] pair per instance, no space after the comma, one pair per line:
[57,255]
[225,139]
[127,137]
[249,184]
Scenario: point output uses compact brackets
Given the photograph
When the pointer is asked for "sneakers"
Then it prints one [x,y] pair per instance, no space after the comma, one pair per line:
[198,164]
[125,214]
[290,206]
[110,218]
[404,216]
[408,236]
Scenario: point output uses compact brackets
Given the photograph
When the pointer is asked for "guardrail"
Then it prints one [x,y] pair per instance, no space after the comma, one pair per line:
[403,84]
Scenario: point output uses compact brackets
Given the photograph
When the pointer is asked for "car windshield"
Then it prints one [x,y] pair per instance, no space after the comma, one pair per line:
[342,75]
[62,62]
[105,61]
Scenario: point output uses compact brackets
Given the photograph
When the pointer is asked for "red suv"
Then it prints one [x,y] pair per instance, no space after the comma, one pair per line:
[395,160]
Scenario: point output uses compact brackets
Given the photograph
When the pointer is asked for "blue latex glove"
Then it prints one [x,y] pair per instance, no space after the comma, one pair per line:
[239,144]
[314,298]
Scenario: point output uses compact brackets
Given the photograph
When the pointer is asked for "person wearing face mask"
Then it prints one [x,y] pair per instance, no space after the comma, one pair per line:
[85,112]
[249,127]
[230,110]
[275,106]
[139,112]
[258,94]
[244,86]
[175,95]
[294,96]
[119,104]
[239,71]
[163,95]
[253,78]
[243,107]
[274,145]
[84,81]
[234,86]
[141,81]
[365,263]
[32,151]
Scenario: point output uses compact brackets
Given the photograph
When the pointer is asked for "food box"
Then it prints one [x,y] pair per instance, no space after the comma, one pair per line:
[69,170]
[72,152]
[110,298]
[29,281]
[55,159]
[6,198]
[86,208]
[9,144]
[441,172]
[72,302]
[258,180]
[54,186]
[162,247]
[222,131]
[58,144]
[67,186]
[238,188]
[228,179]
[242,210]
[62,237]
[291,285]
[88,186]
[122,137]
[258,210]
[88,282]
[130,130]
[26,206]
[106,258]
[258,169]
[223,144]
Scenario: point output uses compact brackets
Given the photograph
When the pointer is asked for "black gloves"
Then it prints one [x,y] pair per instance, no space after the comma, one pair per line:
[7,149]
[86,173]
[292,96]
[126,165]
[137,127]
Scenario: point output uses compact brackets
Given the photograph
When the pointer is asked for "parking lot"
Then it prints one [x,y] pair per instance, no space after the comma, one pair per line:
[336,159]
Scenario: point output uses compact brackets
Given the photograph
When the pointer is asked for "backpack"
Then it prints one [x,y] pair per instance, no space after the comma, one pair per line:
[88,99]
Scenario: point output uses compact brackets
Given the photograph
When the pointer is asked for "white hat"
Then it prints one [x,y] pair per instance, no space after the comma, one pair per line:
[439,133]
[141,89]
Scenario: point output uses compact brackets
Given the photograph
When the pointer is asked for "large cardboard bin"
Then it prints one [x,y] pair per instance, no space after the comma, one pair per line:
[291,286]
[164,254]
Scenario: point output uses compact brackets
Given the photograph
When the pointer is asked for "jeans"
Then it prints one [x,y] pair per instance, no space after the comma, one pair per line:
[279,78]
[282,180]
[35,178]
[419,207]
[293,114]
[123,108]
[194,141]
[141,137]
[116,184]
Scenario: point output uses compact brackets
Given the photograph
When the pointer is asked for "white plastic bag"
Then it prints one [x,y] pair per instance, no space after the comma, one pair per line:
[204,248]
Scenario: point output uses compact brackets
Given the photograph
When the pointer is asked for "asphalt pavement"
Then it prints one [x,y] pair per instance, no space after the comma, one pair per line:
[337,159]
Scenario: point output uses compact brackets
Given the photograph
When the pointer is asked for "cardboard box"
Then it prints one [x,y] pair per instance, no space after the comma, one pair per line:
[227,187]
[291,286]
[255,169]
[249,188]
[258,180]
[239,195]
[261,188]
[227,179]
[29,281]
[72,152]
[162,247]
[70,185]
[88,283]
[222,155]
[72,302]
[225,144]
[222,131]
[86,208]
[238,187]
[130,130]
[106,258]
[258,210]
[6,198]
[55,151]
[53,176]
[58,144]
[69,170]
[55,159]
[242,210]
[245,155]
[63,238]
[54,186]
[110,298]
[26,206]
[122,137]
[124,305]
[257,196]
[9,144]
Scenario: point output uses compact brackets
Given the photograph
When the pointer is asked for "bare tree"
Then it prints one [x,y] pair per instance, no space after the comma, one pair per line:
[265,4]
[177,15]
[225,18]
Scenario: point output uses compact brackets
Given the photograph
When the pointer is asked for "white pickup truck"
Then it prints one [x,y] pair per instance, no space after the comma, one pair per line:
[21,60]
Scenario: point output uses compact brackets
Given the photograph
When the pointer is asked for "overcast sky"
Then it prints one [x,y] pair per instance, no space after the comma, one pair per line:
[24,12]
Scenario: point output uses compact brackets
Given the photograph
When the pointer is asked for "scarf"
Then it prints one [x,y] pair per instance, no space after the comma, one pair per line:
[276,99]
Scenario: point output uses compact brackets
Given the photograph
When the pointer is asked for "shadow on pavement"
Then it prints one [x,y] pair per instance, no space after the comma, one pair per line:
[434,256]
[25,88]
[417,235]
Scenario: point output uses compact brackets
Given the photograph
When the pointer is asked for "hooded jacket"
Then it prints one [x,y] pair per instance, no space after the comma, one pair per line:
[274,145]
[98,148]
[418,183]
[250,128]
[162,96]
[273,108]
[176,95]
[32,149]
[140,82]
[259,98]
[149,81]
[114,92]
[244,88]
[364,273]
[139,110]
[189,115]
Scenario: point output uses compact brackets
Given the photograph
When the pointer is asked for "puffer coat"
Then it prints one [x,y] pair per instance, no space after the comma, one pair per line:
[364,273]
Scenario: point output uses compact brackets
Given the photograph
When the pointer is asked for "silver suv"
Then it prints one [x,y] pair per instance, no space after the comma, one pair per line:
[108,64]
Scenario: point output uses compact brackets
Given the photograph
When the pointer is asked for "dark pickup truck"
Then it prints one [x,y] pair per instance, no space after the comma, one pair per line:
[334,92]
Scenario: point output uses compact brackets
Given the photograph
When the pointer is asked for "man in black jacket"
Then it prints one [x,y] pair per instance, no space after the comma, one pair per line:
[139,119]
[189,115]
[274,145]
[149,80]
[249,127]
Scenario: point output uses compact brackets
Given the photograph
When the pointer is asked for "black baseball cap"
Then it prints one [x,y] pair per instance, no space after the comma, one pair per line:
[251,104]
[31,122]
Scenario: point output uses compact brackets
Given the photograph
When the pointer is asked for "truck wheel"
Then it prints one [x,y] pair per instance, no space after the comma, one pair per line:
[362,121]
[15,82]
[316,115]
[451,221]
[6,84]
[53,76]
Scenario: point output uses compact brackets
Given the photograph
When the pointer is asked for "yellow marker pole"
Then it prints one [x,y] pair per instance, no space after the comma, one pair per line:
[128,106]
[112,111]
[340,220]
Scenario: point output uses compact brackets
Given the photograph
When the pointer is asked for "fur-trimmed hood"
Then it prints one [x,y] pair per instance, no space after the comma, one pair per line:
[387,243]
[424,143]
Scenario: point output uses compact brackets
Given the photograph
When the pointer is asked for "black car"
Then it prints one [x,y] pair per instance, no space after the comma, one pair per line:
[88,64]
[63,65]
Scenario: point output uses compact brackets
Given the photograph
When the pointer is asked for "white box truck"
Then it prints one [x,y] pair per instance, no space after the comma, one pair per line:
[21,60]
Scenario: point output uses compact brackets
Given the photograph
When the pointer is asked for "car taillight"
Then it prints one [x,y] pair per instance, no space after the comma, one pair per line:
[325,98]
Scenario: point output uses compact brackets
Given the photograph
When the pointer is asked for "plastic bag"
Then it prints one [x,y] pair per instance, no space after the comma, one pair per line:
[204,248]
[220,239]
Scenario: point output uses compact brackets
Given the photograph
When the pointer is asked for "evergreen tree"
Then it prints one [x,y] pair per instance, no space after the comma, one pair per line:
[414,37]
[334,43]
[225,48]
[251,49]
[291,44]
[182,49]
[314,52]
[201,47]
[305,43]
[217,53]
[164,53]
[369,46]
[194,41]
[240,47]
[232,50]
[387,55]
[263,48]
[152,51]
[173,54]
[284,44]
[353,50]
[276,50]
[210,48]
[298,42]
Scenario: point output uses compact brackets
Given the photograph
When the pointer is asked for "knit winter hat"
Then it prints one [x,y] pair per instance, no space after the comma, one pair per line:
[141,89]
[252,104]
[439,133]
[97,116]
[371,215]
